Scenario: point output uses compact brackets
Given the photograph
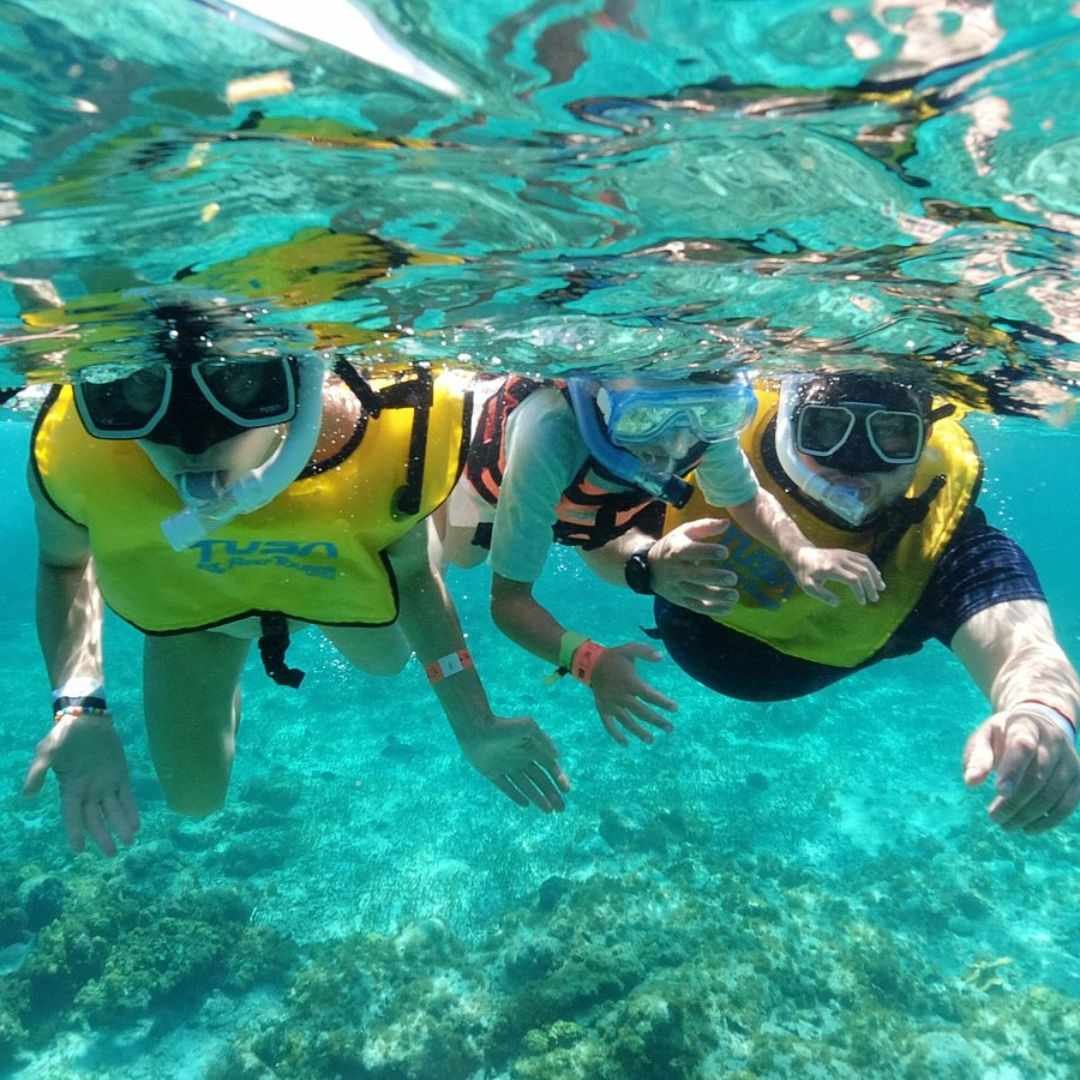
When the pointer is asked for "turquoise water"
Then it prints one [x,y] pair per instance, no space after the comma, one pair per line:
[797,889]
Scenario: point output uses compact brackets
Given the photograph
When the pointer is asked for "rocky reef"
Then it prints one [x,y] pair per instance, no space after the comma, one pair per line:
[98,952]
[702,968]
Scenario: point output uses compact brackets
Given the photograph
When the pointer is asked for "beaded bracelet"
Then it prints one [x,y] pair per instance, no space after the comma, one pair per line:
[80,710]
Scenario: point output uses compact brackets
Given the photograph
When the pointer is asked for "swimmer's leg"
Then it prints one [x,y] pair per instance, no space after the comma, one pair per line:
[459,547]
[379,650]
[456,522]
[191,697]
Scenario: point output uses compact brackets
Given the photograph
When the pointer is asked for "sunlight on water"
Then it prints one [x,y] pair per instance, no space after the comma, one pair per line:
[624,185]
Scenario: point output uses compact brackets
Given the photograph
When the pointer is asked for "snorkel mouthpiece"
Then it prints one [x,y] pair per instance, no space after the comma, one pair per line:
[201,487]
[211,503]
[669,488]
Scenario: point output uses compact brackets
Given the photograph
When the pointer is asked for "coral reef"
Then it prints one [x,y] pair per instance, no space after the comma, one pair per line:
[107,952]
[701,968]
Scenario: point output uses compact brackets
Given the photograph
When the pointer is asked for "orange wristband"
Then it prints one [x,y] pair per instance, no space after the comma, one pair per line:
[584,660]
[451,664]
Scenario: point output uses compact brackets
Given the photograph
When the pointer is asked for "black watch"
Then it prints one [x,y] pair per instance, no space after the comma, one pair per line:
[637,572]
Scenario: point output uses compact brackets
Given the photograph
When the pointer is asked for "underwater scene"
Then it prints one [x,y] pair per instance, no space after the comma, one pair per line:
[309,314]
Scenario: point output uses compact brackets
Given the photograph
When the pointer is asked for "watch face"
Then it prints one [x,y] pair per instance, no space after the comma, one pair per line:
[637,573]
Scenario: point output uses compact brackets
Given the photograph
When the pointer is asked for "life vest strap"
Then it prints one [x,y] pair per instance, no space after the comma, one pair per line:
[273,645]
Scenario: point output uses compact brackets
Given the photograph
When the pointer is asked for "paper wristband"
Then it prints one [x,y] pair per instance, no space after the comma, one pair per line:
[1055,716]
[584,660]
[451,664]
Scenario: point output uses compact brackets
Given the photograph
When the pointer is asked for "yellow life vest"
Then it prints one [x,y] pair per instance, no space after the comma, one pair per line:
[771,606]
[317,552]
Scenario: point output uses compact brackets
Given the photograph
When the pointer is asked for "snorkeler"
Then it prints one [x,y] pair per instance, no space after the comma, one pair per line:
[212,501]
[861,460]
[585,463]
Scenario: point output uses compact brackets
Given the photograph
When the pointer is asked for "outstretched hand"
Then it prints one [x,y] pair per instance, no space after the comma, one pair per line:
[518,757]
[623,698]
[95,791]
[812,567]
[687,567]
[1038,771]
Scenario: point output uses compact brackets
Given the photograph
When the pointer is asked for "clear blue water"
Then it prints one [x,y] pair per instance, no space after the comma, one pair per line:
[800,889]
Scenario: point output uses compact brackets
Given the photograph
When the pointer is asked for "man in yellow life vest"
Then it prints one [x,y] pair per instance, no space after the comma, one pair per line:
[212,501]
[865,462]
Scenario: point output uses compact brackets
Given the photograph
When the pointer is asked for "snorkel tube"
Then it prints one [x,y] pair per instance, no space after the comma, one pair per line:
[670,489]
[211,504]
[844,500]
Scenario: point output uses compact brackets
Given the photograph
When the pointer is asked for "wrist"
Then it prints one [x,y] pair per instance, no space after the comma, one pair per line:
[638,572]
[1051,713]
[584,661]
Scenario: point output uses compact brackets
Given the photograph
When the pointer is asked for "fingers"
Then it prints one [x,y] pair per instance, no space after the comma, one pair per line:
[979,754]
[819,592]
[623,717]
[35,775]
[611,726]
[118,819]
[636,651]
[704,599]
[618,717]
[1030,801]
[71,808]
[553,800]
[508,789]
[1059,811]
[705,528]
[1020,748]
[94,823]
[643,712]
[129,809]
[546,756]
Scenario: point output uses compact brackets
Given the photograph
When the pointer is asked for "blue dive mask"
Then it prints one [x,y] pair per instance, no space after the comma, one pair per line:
[619,462]
[643,412]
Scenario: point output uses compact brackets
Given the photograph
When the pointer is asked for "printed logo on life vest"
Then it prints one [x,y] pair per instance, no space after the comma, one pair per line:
[223,556]
[764,579]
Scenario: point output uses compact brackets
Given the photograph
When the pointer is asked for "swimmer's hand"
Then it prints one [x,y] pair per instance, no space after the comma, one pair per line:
[622,698]
[686,567]
[95,792]
[517,756]
[812,567]
[1038,771]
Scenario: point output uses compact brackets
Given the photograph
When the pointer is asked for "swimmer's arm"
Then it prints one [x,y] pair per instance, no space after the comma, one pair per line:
[609,562]
[430,623]
[512,752]
[1012,653]
[763,518]
[69,606]
[523,619]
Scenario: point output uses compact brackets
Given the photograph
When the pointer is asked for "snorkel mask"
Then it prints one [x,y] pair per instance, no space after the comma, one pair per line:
[193,401]
[853,423]
[617,416]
